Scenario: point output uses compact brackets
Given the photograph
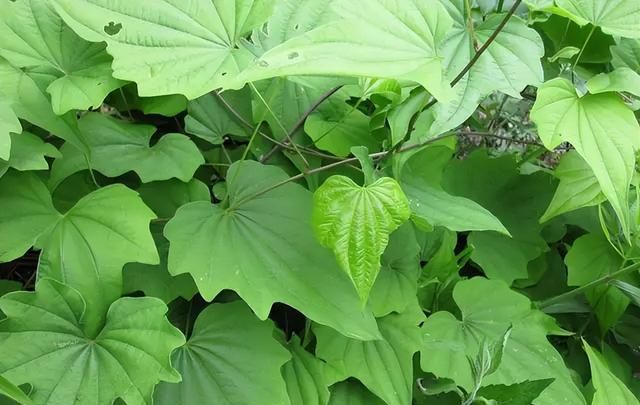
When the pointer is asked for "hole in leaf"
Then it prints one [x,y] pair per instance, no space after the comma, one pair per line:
[112,28]
[263,63]
[223,74]
[296,27]
[293,55]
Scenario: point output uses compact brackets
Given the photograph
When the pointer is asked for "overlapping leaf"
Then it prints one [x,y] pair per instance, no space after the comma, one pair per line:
[263,248]
[603,131]
[609,389]
[229,351]
[305,377]
[8,123]
[355,222]
[168,46]
[28,152]
[615,17]
[124,359]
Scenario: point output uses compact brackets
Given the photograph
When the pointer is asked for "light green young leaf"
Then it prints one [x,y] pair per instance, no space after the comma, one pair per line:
[35,36]
[170,47]
[510,63]
[615,17]
[304,376]
[488,309]
[355,222]
[567,52]
[85,247]
[621,80]
[28,152]
[609,389]
[125,359]
[366,163]
[383,366]
[603,131]
[591,257]
[396,40]
[119,146]
[263,248]
[231,358]
[9,123]
[26,92]
[578,187]
[210,120]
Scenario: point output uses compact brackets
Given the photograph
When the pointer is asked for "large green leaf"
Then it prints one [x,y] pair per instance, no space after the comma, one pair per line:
[488,309]
[603,130]
[28,152]
[35,36]
[169,46]
[509,64]
[262,247]
[591,257]
[615,17]
[578,187]
[609,389]
[118,147]
[8,123]
[304,376]
[84,247]
[397,40]
[383,366]
[125,359]
[26,93]
[211,120]
[231,358]
[355,222]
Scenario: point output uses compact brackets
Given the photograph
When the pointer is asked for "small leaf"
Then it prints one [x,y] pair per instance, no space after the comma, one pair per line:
[125,359]
[567,52]
[622,80]
[355,222]
[28,152]
[362,154]
[609,389]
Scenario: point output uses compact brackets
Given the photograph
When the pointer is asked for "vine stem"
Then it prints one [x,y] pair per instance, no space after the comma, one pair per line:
[577,291]
[464,70]
[298,124]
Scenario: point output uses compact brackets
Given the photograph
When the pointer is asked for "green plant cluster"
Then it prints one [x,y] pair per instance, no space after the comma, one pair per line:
[319,202]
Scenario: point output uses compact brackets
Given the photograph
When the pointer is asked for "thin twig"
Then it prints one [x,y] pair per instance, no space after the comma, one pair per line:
[300,122]
[504,138]
[465,70]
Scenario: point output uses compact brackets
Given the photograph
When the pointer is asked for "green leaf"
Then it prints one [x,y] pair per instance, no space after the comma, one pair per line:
[210,120]
[392,40]
[155,280]
[85,247]
[11,391]
[603,130]
[28,152]
[262,247]
[119,146]
[127,99]
[523,393]
[35,36]
[383,366]
[609,389]
[621,79]
[304,376]
[488,309]
[631,291]
[352,393]
[8,123]
[202,36]
[510,63]
[26,92]
[231,358]
[337,127]
[165,197]
[578,187]
[355,222]
[366,163]
[567,52]
[615,17]
[395,288]
[626,53]
[125,359]
[591,257]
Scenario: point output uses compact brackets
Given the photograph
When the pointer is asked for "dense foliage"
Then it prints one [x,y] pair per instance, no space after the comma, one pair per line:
[312,202]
